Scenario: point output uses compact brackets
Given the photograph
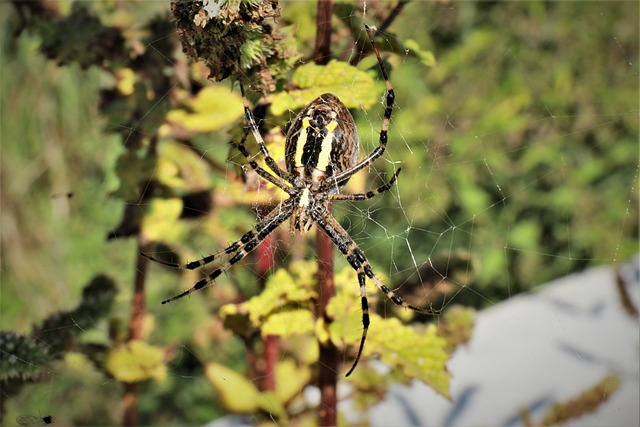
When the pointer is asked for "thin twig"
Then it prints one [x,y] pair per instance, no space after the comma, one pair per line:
[130,395]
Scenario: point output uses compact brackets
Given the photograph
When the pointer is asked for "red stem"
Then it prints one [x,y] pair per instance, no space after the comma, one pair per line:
[328,359]
[271,353]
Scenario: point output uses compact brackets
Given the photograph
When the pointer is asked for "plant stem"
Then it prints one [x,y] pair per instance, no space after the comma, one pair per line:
[271,344]
[323,31]
[328,361]
[130,396]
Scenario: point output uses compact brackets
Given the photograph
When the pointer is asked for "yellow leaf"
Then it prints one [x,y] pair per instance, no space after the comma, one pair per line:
[181,168]
[233,391]
[290,380]
[161,218]
[137,361]
[419,355]
[125,81]
[238,394]
[288,322]
[212,109]
[355,88]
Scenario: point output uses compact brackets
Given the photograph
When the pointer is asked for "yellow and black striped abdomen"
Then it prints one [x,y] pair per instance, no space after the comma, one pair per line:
[322,140]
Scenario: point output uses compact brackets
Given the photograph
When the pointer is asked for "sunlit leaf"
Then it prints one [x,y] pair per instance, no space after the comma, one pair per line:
[159,223]
[288,322]
[427,57]
[355,88]
[420,355]
[238,394]
[456,326]
[272,311]
[233,391]
[345,309]
[137,361]
[417,354]
[126,79]
[213,108]
[290,379]
[181,168]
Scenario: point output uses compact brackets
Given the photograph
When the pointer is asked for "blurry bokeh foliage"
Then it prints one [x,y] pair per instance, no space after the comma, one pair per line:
[516,128]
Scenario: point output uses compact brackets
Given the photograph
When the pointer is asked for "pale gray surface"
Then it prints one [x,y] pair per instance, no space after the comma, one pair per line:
[532,351]
[529,352]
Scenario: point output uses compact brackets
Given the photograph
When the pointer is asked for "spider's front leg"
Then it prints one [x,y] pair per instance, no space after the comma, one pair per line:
[368,195]
[273,165]
[278,182]
[240,249]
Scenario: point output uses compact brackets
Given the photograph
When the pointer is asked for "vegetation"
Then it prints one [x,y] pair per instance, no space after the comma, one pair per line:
[516,128]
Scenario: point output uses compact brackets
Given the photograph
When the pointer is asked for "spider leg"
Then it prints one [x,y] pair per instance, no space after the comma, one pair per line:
[368,195]
[247,243]
[278,182]
[340,178]
[358,261]
[242,247]
[247,239]
[256,134]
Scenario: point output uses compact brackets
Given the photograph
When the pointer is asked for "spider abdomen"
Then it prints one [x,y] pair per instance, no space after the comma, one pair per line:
[322,140]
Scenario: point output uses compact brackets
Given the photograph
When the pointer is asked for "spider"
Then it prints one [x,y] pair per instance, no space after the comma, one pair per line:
[321,155]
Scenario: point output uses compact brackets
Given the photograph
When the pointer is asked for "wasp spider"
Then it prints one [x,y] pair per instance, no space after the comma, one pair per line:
[321,154]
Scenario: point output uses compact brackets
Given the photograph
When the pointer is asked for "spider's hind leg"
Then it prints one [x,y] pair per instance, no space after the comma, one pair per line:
[358,261]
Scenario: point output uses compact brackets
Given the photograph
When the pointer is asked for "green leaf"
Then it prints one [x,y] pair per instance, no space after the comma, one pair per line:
[132,168]
[137,361]
[22,357]
[355,88]
[427,57]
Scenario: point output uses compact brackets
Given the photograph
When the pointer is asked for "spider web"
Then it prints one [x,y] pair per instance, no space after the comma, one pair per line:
[464,225]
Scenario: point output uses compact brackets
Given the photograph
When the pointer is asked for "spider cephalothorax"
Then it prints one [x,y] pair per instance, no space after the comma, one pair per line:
[321,154]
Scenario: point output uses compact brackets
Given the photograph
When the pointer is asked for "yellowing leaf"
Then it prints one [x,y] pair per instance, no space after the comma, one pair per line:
[419,355]
[272,311]
[137,361]
[238,394]
[346,310]
[181,168]
[416,354]
[355,88]
[125,80]
[233,391]
[290,380]
[289,322]
[213,108]
[161,218]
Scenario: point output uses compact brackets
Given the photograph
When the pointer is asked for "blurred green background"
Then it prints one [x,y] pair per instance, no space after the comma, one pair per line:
[519,151]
